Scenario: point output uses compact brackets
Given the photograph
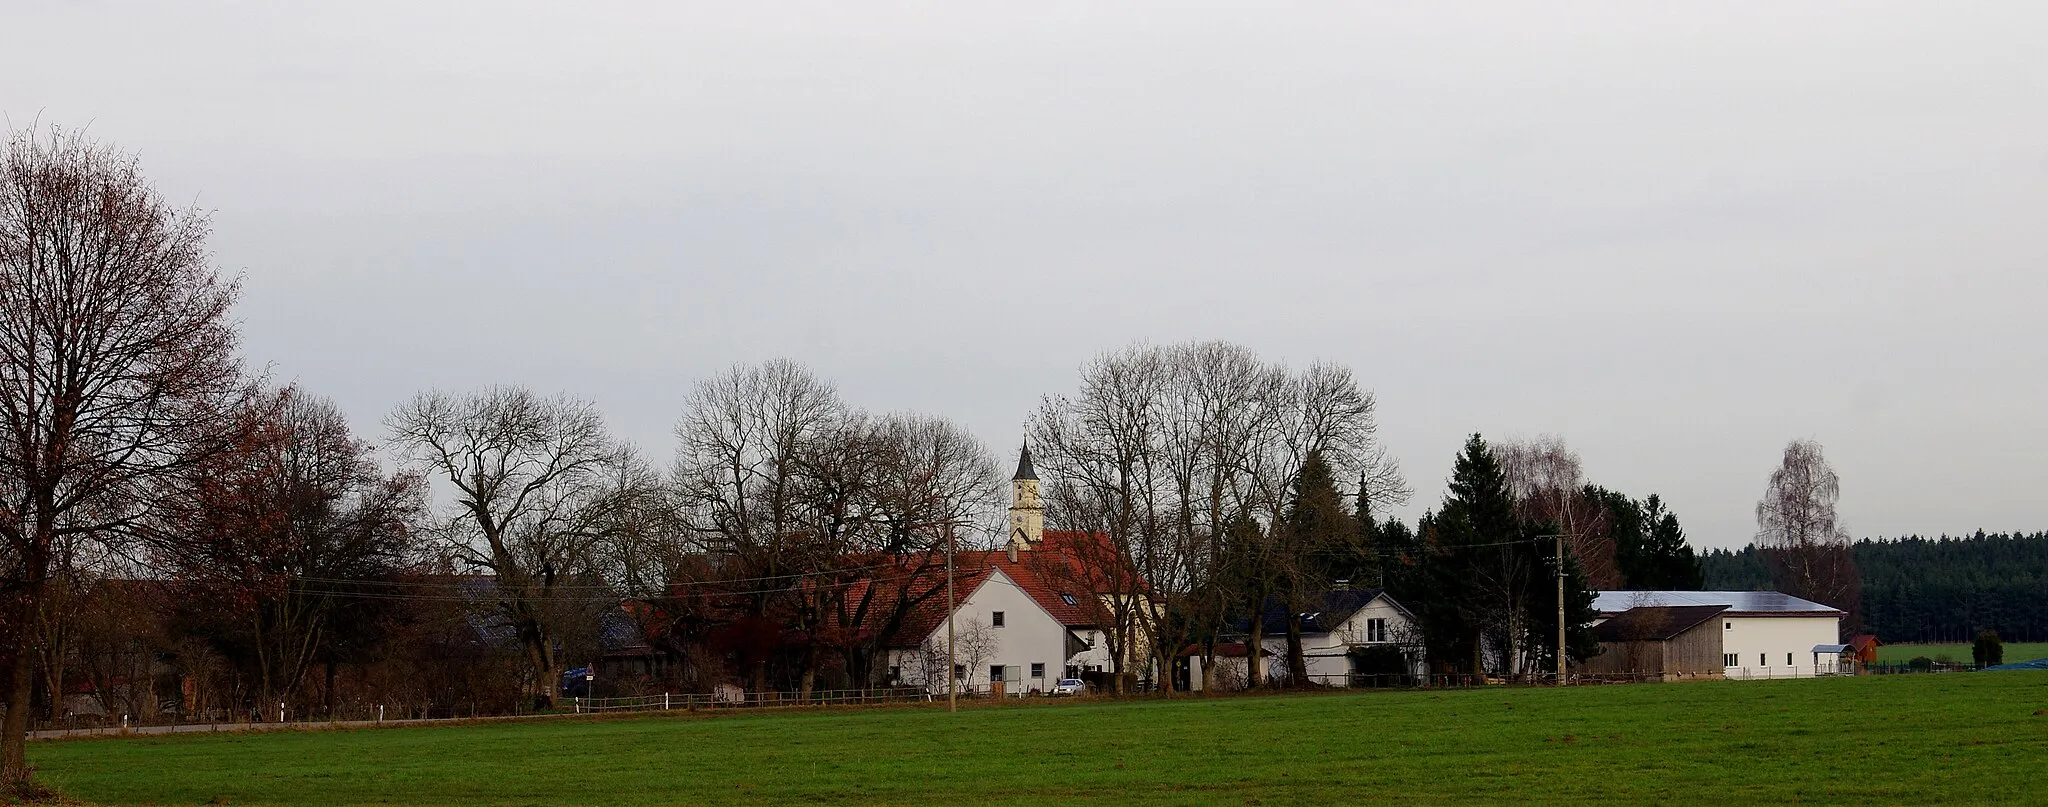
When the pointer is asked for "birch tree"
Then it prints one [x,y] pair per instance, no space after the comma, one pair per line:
[1802,537]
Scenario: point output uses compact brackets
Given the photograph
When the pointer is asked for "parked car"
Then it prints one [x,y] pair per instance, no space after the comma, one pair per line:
[1069,686]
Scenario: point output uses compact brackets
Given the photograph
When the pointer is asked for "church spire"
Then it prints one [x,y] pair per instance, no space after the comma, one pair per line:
[1027,513]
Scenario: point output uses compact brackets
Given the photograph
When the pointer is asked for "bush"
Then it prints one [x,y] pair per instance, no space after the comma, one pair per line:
[1921,664]
[1988,650]
[1379,665]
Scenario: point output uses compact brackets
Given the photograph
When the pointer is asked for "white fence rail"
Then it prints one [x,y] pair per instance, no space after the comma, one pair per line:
[735,699]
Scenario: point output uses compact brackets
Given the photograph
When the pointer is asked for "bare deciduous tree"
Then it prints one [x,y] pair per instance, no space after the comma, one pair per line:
[1800,535]
[117,368]
[536,494]
[745,441]
[285,541]
[1548,483]
[828,514]
[1165,449]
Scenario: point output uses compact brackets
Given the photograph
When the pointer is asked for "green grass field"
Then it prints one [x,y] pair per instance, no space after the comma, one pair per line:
[2014,651]
[1973,737]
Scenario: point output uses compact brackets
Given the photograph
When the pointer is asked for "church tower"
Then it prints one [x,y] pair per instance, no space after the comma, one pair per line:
[1027,513]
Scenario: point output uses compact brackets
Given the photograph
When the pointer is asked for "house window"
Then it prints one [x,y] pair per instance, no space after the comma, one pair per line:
[996,619]
[1038,669]
[1788,659]
[895,674]
[1069,599]
[995,673]
[1763,659]
[1727,626]
[960,671]
[1375,630]
[1729,660]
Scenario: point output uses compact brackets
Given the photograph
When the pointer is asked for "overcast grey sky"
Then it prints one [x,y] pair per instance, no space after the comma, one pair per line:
[1675,234]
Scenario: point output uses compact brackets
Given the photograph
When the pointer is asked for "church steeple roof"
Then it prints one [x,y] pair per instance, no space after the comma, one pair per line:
[1024,469]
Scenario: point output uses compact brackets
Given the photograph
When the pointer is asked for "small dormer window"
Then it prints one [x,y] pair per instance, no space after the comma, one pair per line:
[1068,599]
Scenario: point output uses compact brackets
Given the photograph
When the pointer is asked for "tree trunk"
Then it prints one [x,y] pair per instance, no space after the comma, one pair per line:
[1297,660]
[1254,659]
[14,768]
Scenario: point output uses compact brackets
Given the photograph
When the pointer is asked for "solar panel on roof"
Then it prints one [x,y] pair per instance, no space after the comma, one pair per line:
[1756,602]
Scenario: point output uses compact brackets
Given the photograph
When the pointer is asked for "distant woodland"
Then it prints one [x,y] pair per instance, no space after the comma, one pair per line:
[1930,589]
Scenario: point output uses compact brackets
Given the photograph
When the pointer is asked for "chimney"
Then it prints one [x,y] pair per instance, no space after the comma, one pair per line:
[1013,553]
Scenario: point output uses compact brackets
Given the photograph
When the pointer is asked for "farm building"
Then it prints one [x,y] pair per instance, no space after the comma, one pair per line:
[1670,643]
[1764,634]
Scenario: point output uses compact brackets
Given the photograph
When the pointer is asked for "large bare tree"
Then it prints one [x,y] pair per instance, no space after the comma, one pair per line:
[822,513]
[1183,458]
[117,369]
[287,545]
[1801,536]
[537,489]
[747,443]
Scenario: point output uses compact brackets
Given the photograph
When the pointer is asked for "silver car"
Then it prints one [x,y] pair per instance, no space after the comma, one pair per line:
[1069,686]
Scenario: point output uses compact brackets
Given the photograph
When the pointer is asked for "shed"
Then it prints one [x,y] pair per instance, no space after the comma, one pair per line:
[1663,642]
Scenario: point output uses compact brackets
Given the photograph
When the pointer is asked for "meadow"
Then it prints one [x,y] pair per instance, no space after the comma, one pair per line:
[1972,737]
[1902,653]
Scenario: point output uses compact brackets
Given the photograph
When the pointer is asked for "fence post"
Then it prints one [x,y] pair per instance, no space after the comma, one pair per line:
[664,701]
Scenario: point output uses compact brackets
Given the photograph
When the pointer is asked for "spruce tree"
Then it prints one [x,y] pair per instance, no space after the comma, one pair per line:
[1320,543]
[1490,577]
[1482,568]
[1671,562]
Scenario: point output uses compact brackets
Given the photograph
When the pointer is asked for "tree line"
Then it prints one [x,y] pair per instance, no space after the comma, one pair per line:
[1942,589]
[1237,486]
[179,533]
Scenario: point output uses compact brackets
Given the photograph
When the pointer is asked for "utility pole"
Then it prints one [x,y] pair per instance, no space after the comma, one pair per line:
[952,663]
[1560,609]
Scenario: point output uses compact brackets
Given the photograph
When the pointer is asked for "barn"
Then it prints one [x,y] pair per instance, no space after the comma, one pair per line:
[1764,634]
[1660,642]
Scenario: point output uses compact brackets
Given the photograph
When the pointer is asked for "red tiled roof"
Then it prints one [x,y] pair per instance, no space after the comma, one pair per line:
[1066,565]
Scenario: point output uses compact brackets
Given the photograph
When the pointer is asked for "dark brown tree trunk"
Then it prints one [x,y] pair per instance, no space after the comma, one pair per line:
[1297,660]
[1254,661]
[14,770]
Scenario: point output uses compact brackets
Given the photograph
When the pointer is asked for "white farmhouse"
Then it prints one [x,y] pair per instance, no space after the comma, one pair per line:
[1026,616]
[1764,634]
[1343,623]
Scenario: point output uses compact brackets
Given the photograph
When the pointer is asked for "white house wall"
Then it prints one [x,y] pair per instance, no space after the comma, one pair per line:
[1761,645]
[1328,654]
[1028,636]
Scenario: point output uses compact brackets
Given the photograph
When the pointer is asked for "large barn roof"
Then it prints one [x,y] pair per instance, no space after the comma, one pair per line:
[1739,603]
[1657,623]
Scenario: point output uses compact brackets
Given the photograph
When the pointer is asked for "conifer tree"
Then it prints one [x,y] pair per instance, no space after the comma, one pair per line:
[1488,579]
[1319,541]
